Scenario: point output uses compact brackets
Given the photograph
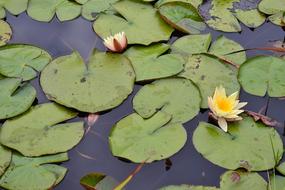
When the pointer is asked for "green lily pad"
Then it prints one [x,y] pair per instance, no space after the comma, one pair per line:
[14,98]
[239,180]
[251,18]
[276,182]
[182,16]
[44,10]
[176,96]
[207,72]
[5,159]
[281,168]
[81,1]
[15,7]
[252,145]
[22,61]
[187,187]
[102,85]
[96,181]
[92,8]
[195,3]
[143,28]
[146,140]
[149,65]
[275,8]
[34,132]
[33,173]
[262,74]
[5,32]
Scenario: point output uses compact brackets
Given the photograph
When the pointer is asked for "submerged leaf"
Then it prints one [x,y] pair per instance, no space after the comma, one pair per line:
[96,181]
[5,32]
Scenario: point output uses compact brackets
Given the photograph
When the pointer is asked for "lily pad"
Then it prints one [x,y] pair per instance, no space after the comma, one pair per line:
[182,16]
[275,8]
[143,28]
[252,145]
[5,159]
[195,3]
[22,61]
[281,168]
[102,85]
[207,72]
[187,187]
[5,32]
[276,182]
[262,74]
[96,181]
[149,65]
[14,98]
[44,10]
[33,173]
[34,132]
[15,7]
[92,8]
[239,180]
[176,96]
[146,140]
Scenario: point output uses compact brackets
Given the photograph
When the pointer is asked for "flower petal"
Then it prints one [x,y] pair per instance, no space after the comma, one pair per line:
[223,124]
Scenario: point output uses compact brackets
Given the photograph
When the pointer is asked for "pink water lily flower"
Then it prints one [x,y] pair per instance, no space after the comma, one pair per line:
[116,43]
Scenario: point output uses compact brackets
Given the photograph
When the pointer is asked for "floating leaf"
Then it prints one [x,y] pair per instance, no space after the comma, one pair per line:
[5,32]
[146,140]
[34,132]
[239,180]
[33,173]
[207,73]
[103,85]
[281,168]
[252,145]
[182,16]
[262,74]
[276,182]
[13,6]
[14,98]
[195,3]
[5,159]
[96,181]
[275,8]
[149,65]
[251,18]
[176,96]
[23,61]
[187,187]
[143,28]
[44,10]
[92,8]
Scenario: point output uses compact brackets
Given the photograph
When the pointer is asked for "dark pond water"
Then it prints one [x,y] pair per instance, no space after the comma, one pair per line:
[187,166]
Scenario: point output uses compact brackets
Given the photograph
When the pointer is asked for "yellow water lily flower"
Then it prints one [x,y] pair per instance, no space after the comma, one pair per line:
[116,43]
[225,108]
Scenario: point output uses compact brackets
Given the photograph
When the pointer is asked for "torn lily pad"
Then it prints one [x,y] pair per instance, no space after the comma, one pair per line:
[34,132]
[15,7]
[263,74]
[15,98]
[34,173]
[102,85]
[5,32]
[22,61]
[252,145]
[176,96]
[92,8]
[146,140]
[275,8]
[195,3]
[143,28]
[96,181]
[182,16]
[149,64]
[5,159]
[187,187]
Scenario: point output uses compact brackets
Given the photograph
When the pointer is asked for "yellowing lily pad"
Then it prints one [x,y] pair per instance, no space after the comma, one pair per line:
[248,144]
[37,131]
[146,140]
[275,8]
[176,96]
[5,32]
[102,85]
[22,61]
[5,159]
[149,65]
[263,74]
[187,187]
[13,6]
[143,28]
[94,181]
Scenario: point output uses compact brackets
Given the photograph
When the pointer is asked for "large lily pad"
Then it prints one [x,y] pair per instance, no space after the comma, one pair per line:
[92,8]
[14,98]
[13,6]
[207,73]
[239,180]
[149,65]
[143,28]
[34,132]
[275,8]
[5,32]
[5,159]
[263,74]
[44,10]
[248,144]
[176,96]
[146,140]
[104,84]
[22,61]
[33,173]
[187,187]
[195,3]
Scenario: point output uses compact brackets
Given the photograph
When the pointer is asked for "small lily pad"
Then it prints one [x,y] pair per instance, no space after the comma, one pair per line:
[146,140]
[96,181]
[275,8]
[15,7]
[14,98]
[34,132]
[102,85]
[5,32]
[281,168]
[5,159]
[187,187]
[33,173]
[92,8]
[143,28]
[262,74]
[176,96]
[276,182]
[149,65]
[22,61]
[252,145]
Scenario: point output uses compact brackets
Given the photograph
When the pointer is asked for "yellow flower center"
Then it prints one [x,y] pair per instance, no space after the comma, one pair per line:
[224,104]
